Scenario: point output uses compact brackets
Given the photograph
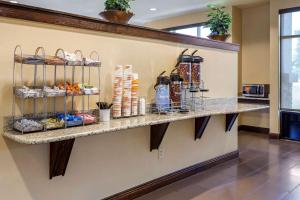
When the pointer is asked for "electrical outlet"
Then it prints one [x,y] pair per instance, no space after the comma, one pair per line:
[161,152]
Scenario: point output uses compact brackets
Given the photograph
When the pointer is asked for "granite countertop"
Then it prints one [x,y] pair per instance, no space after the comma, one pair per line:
[215,108]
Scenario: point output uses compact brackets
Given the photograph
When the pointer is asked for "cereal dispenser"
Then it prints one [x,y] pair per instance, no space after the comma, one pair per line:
[196,72]
[184,68]
[176,90]
[189,69]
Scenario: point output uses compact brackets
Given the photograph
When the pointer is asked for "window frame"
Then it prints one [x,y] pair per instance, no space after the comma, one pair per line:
[281,38]
[198,25]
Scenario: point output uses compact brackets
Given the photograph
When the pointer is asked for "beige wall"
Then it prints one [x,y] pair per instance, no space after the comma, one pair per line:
[255,57]
[275,6]
[256,45]
[106,164]
[237,37]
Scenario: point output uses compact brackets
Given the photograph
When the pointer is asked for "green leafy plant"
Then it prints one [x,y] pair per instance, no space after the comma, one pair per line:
[122,5]
[219,21]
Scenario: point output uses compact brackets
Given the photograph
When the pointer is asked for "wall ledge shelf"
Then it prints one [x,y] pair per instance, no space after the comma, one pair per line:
[61,141]
[126,123]
[30,13]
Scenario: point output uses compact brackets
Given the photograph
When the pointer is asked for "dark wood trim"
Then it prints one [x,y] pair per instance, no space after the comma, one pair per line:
[289,10]
[275,136]
[171,178]
[157,133]
[59,157]
[200,126]
[230,119]
[185,26]
[254,129]
[256,101]
[24,12]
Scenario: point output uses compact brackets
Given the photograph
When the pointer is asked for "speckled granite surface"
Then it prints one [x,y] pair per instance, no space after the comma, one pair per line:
[213,107]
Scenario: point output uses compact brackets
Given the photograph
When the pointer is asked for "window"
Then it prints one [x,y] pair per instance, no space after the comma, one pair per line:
[196,30]
[290,59]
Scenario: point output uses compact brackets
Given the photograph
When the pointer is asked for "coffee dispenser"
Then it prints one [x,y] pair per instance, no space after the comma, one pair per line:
[162,93]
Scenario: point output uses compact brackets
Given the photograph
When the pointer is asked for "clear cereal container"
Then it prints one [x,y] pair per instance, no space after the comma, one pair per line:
[184,68]
[176,90]
[196,71]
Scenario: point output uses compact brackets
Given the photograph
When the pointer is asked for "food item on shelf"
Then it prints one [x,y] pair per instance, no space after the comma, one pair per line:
[184,72]
[54,60]
[27,125]
[184,67]
[87,118]
[196,76]
[53,123]
[196,73]
[134,94]
[54,92]
[88,89]
[91,62]
[70,120]
[175,90]
[29,59]
[126,99]
[26,92]
[117,91]
[72,59]
[71,89]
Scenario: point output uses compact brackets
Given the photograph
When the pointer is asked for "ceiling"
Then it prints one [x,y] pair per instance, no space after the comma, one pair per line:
[165,8]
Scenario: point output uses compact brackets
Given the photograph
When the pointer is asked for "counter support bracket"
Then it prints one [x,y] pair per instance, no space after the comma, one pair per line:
[59,157]
[230,119]
[157,133]
[200,126]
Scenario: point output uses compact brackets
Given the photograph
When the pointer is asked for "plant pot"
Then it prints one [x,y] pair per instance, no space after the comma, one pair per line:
[116,16]
[222,38]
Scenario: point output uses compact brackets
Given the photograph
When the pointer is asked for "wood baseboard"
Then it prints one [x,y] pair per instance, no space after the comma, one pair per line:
[254,129]
[275,136]
[171,178]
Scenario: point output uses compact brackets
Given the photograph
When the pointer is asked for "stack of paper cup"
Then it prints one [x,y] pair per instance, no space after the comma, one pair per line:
[127,82]
[134,94]
[117,91]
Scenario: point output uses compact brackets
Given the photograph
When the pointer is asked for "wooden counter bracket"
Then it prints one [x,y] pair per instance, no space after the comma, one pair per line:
[157,133]
[200,126]
[59,157]
[230,119]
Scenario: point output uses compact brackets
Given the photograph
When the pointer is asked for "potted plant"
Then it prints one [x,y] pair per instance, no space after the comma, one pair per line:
[117,11]
[219,23]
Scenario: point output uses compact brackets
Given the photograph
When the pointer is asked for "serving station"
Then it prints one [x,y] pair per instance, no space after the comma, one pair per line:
[61,141]
[206,134]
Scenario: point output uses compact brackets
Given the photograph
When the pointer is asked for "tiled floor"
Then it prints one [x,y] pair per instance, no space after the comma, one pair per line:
[266,170]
